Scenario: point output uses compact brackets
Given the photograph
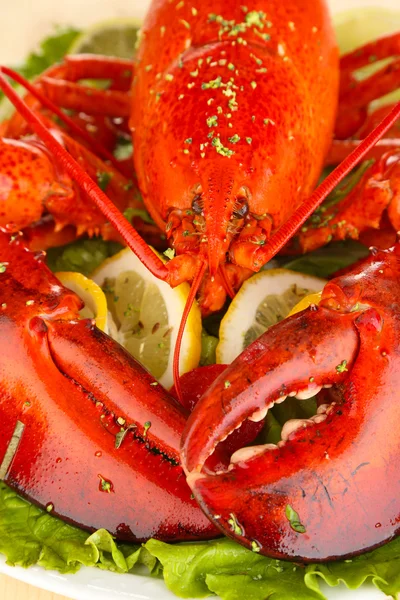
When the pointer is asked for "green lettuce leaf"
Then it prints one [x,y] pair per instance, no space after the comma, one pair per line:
[32,536]
[229,570]
[326,261]
[51,50]
[83,256]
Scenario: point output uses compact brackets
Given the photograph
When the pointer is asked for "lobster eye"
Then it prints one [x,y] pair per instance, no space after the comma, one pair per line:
[197,204]
[241,208]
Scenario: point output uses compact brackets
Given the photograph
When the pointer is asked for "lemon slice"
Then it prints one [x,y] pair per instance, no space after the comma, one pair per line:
[92,295]
[262,301]
[305,303]
[114,37]
[146,313]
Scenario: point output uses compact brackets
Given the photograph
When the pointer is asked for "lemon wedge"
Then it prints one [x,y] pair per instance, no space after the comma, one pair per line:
[145,315]
[262,301]
[92,295]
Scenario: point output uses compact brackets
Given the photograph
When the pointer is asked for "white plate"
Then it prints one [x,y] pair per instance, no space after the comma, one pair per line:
[24,24]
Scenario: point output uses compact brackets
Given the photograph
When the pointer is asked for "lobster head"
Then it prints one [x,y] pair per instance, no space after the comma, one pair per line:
[329,488]
[221,105]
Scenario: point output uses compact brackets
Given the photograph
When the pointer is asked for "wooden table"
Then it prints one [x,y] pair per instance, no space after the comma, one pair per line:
[11,589]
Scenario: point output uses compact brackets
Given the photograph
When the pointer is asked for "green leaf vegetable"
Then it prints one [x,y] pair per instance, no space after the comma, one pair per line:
[51,50]
[82,256]
[31,536]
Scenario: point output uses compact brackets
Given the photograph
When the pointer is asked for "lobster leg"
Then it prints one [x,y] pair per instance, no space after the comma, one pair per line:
[356,95]
[60,85]
[359,211]
[330,487]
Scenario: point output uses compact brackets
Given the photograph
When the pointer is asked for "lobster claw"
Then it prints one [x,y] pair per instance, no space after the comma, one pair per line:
[100,438]
[330,487]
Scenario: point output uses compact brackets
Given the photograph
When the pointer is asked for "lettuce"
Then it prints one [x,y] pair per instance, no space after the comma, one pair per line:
[51,51]
[329,259]
[83,256]
[32,536]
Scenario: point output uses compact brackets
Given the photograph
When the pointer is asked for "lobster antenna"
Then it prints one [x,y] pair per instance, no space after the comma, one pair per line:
[99,148]
[198,278]
[85,182]
[300,216]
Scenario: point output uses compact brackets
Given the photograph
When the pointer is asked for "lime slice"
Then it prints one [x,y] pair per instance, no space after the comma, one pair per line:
[92,295]
[146,314]
[262,301]
[114,37]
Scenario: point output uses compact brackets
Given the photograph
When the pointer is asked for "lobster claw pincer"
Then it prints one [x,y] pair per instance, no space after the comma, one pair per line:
[330,488]
[100,439]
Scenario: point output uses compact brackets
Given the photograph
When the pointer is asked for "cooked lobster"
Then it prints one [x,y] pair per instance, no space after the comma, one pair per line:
[228,179]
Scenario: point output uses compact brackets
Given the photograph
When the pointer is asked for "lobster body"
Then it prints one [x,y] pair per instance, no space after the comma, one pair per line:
[233,113]
[100,444]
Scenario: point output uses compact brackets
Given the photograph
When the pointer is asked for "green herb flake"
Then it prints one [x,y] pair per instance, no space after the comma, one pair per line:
[194,11]
[212,121]
[3,267]
[256,18]
[255,546]
[185,23]
[146,428]
[188,140]
[119,438]
[231,66]
[294,519]
[235,525]
[234,139]
[154,384]
[249,140]
[253,84]
[194,73]
[105,485]
[103,179]
[220,148]
[227,384]
[169,253]
[212,84]
[342,367]
[169,77]
[148,68]
[30,302]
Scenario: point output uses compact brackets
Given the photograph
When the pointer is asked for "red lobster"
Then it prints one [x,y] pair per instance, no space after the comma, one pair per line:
[218,184]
